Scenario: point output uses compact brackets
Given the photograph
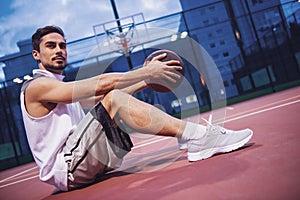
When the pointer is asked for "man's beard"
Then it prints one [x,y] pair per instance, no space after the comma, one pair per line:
[52,68]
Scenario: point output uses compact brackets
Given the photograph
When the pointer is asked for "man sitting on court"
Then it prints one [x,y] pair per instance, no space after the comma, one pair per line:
[71,148]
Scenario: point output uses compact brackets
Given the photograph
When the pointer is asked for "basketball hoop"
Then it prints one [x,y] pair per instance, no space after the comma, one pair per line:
[122,38]
[121,41]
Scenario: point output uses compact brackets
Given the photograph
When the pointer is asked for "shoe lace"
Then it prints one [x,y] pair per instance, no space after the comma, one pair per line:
[213,128]
[207,121]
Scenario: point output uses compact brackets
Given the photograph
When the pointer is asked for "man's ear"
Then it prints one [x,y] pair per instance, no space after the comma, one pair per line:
[36,55]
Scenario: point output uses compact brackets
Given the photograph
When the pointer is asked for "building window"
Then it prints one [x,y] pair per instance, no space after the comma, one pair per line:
[206,22]
[225,54]
[212,45]
[219,31]
[211,8]
[226,84]
[257,1]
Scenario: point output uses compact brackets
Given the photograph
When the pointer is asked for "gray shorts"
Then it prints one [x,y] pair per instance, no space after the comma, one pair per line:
[96,145]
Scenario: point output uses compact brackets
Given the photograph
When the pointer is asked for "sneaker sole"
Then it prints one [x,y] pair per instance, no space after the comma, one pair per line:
[207,153]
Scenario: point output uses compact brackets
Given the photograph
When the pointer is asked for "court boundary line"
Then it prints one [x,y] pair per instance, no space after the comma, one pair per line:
[262,111]
[264,106]
[162,139]
[148,143]
[19,181]
[18,174]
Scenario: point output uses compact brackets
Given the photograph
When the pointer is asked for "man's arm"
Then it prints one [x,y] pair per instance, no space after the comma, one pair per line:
[88,103]
[44,90]
[135,88]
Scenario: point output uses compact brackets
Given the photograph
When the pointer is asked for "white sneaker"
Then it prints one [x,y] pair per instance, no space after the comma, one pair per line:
[182,144]
[217,140]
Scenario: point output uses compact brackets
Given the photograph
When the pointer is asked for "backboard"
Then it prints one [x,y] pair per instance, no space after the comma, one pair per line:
[121,35]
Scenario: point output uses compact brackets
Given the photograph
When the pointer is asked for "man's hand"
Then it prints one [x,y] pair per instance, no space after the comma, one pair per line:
[161,72]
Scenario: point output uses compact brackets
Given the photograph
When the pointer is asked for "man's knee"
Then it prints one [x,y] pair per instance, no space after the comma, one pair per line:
[113,100]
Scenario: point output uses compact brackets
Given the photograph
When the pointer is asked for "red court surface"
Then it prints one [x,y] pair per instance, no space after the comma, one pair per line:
[267,168]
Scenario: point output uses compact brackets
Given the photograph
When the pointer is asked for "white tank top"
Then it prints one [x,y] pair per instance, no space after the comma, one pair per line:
[47,136]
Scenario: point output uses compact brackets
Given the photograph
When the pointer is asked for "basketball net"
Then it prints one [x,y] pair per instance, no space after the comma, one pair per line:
[123,40]
[124,45]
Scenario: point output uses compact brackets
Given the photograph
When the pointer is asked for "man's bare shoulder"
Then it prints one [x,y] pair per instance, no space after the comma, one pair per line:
[35,96]
[40,86]
[42,83]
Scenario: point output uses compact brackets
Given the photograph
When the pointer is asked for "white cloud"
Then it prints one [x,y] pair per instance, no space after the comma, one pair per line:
[75,17]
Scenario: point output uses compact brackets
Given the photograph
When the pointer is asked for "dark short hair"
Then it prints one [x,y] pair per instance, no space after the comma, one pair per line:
[37,36]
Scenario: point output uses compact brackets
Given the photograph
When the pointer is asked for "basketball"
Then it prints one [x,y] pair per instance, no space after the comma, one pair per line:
[168,86]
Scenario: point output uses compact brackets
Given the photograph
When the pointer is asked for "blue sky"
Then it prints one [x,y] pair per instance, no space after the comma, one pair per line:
[20,18]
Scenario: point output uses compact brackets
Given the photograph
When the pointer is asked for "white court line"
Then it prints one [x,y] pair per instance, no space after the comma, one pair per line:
[152,142]
[1,181]
[263,110]
[159,140]
[19,181]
